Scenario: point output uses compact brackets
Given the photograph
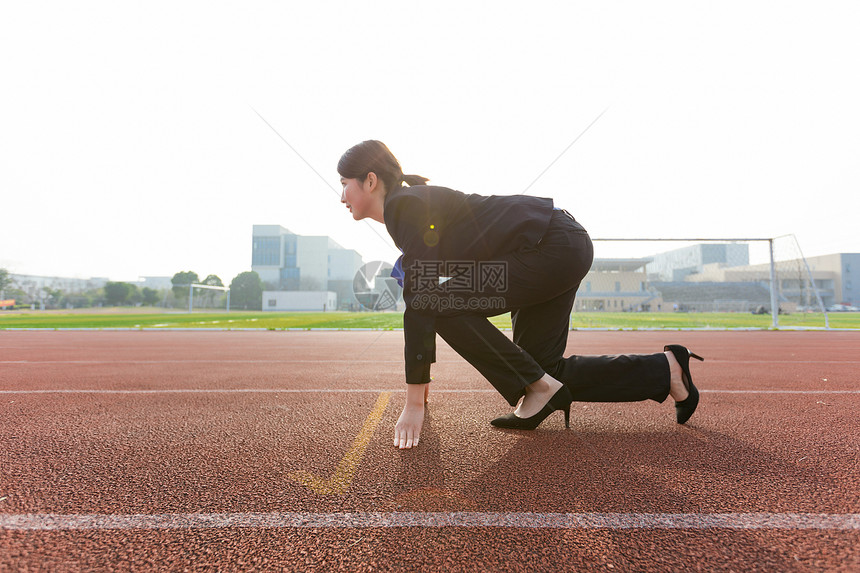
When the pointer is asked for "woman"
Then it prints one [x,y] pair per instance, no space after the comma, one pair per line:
[467,257]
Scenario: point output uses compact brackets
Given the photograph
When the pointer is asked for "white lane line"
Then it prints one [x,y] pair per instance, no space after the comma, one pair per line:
[780,391]
[353,361]
[224,391]
[226,325]
[528,520]
[89,362]
[356,391]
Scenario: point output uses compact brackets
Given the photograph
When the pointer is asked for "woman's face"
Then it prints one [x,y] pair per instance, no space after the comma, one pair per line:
[356,196]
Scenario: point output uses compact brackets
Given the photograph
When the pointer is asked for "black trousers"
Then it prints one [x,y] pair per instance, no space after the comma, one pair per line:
[540,290]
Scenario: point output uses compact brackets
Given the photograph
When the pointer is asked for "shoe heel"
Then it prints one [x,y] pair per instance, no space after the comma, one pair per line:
[560,401]
[685,408]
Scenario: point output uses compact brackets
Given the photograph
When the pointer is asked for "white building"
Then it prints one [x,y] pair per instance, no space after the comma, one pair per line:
[677,264]
[32,284]
[156,283]
[281,300]
[289,262]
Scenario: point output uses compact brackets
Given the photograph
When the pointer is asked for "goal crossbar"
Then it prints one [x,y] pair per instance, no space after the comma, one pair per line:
[193,286]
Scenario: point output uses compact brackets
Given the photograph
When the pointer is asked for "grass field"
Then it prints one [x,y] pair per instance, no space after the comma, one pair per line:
[123,318]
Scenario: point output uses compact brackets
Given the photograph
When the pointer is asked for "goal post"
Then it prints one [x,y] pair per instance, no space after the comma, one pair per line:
[193,286]
[703,275]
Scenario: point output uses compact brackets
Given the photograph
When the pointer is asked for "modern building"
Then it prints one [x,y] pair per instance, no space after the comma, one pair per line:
[836,278]
[623,285]
[845,269]
[287,262]
[719,278]
[677,264]
[618,285]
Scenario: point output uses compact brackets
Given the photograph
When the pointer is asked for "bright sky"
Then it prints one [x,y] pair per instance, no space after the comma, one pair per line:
[130,146]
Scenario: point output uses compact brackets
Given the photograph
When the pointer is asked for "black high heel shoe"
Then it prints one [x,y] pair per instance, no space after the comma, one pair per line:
[560,401]
[685,408]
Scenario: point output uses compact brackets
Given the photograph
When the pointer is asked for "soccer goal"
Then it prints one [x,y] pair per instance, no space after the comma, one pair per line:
[193,286]
[707,275]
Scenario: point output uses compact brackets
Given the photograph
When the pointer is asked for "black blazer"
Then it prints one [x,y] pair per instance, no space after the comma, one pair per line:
[436,225]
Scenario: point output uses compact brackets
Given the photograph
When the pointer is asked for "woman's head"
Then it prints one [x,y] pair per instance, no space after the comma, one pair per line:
[374,157]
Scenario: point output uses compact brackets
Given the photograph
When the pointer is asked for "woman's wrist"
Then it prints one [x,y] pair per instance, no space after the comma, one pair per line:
[415,395]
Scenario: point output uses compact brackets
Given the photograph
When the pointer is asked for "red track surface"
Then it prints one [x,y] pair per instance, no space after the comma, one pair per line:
[776,434]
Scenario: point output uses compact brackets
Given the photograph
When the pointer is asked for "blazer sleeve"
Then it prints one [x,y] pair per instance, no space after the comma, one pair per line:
[416,230]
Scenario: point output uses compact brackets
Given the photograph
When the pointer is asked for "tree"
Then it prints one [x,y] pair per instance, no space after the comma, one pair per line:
[77,300]
[208,296]
[246,291]
[16,294]
[183,278]
[4,279]
[213,280]
[135,297]
[52,297]
[116,293]
[5,282]
[150,296]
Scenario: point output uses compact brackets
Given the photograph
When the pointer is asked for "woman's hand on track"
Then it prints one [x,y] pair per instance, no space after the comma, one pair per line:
[407,431]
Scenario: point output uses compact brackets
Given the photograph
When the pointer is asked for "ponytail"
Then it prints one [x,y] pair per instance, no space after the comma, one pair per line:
[412,180]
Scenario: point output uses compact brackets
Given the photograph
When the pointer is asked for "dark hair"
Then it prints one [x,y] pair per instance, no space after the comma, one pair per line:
[372,155]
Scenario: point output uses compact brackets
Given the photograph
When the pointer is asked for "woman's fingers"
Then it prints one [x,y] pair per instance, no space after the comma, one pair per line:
[400,438]
[405,438]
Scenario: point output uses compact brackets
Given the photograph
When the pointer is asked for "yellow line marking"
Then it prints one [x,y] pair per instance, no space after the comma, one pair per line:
[342,478]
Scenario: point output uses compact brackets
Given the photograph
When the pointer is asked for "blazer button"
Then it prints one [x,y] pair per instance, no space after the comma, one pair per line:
[419,357]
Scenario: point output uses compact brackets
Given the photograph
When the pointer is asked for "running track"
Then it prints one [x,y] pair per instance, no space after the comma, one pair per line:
[163,450]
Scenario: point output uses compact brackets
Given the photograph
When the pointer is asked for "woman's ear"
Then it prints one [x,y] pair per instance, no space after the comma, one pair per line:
[371,181]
